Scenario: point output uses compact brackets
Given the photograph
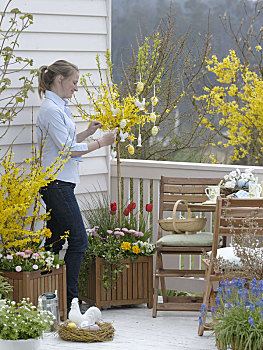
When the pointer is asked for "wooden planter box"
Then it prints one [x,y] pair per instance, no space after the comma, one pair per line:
[134,285]
[32,284]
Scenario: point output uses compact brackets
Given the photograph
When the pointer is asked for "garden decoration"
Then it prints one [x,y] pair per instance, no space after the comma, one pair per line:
[22,324]
[115,255]
[237,318]
[240,184]
[125,115]
[87,327]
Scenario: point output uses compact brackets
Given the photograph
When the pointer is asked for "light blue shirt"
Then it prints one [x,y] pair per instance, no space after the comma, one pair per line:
[56,126]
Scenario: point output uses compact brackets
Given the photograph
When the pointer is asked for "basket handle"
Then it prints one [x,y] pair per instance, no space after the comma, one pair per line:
[174,213]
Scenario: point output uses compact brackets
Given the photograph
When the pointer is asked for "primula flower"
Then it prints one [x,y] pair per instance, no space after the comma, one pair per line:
[9,257]
[26,256]
[35,267]
[132,231]
[149,207]
[125,246]
[28,251]
[1,255]
[35,255]
[18,268]
[136,249]
[126,211]
[125,230]
[109,231]
[140,234]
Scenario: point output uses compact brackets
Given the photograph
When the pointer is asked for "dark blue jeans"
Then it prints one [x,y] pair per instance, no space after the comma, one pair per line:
[65,216]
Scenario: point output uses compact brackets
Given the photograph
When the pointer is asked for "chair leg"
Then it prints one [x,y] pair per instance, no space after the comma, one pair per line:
[206,299]
[162,280]
[158,266]
[155,296]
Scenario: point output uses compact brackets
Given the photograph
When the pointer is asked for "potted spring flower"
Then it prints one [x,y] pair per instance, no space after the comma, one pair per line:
[237,318]
[22,325]
[117,268]
[23,260]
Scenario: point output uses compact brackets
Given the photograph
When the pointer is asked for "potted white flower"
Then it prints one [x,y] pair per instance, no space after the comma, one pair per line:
[22,325]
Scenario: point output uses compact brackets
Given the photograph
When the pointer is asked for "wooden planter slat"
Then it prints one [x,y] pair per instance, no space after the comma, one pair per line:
[133,286]
[33,284]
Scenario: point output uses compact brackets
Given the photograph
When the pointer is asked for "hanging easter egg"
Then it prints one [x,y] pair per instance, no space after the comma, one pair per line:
[152,117]
[131,150]
[154,100]
[155,130]
[140,86]
[123,123]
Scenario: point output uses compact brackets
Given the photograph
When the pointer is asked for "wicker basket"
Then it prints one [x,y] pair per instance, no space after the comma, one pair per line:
[191,225]
[104,333]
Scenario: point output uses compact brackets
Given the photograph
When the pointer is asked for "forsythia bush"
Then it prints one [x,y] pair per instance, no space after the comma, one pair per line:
[237,100]
[20,202]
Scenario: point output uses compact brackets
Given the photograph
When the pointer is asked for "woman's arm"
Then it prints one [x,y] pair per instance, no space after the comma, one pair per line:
[106,140]
[94,125]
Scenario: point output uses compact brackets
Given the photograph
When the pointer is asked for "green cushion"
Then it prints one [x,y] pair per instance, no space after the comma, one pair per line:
[200,239]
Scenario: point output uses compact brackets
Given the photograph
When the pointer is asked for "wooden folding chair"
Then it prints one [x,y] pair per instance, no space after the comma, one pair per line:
[193,191]
[233,216]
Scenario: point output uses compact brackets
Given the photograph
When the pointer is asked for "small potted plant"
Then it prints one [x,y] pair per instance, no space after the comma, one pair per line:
[118,260]
[22,325]
[237,318]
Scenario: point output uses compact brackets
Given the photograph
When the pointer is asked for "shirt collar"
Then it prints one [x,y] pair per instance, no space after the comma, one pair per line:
[62,103]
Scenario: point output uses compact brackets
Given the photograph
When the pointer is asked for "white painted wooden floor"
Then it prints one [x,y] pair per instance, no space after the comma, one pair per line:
[135,329]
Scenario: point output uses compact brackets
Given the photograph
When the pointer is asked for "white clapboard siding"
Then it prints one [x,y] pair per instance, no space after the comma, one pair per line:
[74,30]
[61,7]
[60,24]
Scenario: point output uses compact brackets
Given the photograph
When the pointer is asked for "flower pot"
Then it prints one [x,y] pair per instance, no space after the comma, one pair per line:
[20,344]
[134,285]
[33,284]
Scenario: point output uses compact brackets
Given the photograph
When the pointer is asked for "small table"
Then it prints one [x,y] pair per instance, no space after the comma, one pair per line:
[202,207]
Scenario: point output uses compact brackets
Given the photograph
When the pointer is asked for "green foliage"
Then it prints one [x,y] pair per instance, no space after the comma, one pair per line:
[5,287]
[22,320]
[11,64]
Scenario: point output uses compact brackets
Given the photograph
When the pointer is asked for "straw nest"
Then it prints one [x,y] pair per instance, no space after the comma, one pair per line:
[104,333]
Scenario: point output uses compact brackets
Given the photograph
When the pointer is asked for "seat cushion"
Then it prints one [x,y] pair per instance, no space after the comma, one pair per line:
[227,253]
[200,239]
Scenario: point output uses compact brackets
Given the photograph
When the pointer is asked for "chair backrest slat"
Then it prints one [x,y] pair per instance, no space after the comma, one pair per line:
[173,189]
[237,216]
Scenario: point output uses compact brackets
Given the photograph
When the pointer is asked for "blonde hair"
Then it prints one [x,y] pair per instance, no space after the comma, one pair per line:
[48,74]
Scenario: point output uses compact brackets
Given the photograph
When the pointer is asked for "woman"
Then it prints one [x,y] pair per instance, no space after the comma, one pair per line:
[56,126]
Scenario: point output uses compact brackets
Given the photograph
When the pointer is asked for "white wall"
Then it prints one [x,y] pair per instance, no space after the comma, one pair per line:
[74,30]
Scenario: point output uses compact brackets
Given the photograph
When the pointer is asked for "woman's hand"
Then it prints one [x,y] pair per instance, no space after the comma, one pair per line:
[93,127]
[108,139]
